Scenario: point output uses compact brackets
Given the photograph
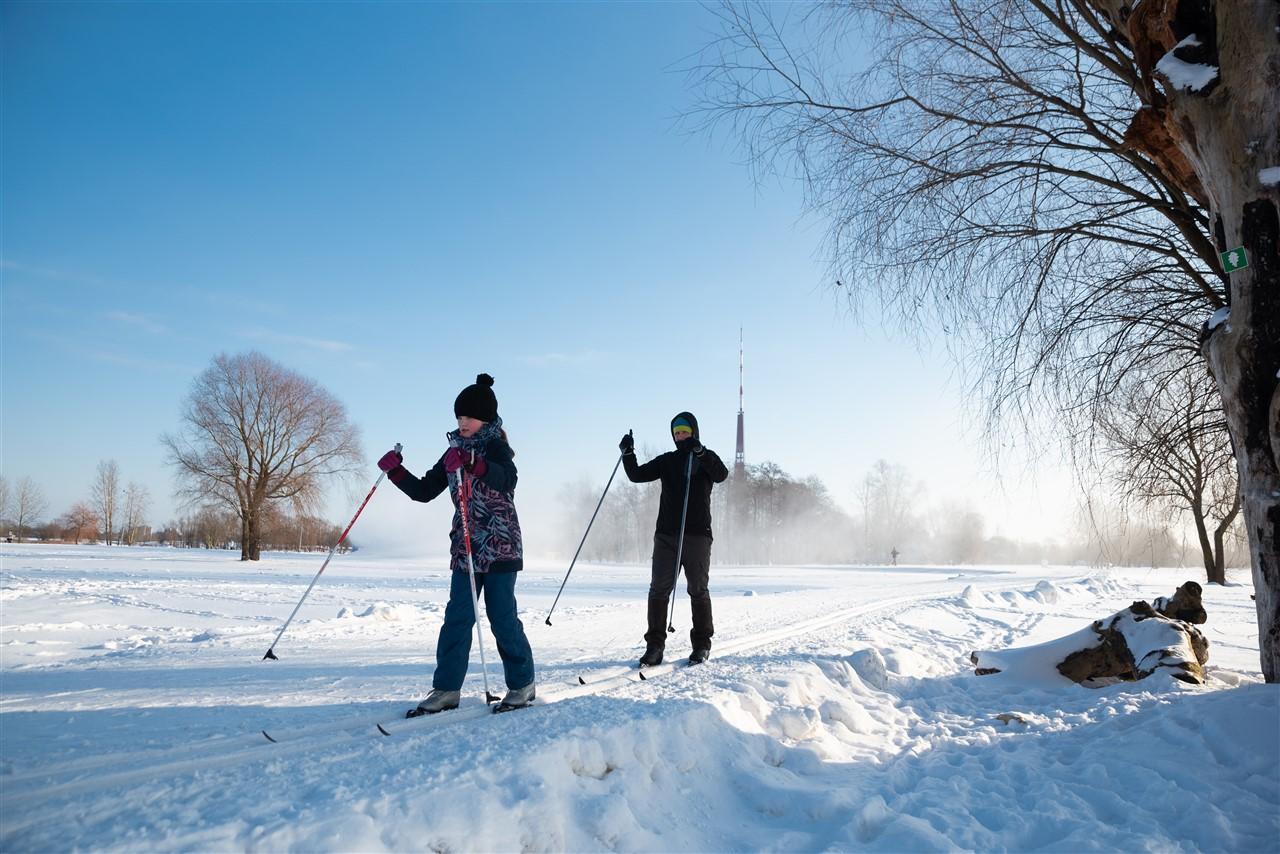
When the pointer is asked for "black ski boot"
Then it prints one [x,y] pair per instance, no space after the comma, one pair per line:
[699,655]
[652,657]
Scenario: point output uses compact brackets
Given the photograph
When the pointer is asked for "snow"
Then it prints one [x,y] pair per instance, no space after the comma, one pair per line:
[1270,176]
[839,711]
[1186,75]
[1220,317]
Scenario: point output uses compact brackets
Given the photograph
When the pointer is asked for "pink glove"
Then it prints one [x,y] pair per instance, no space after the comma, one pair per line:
[390,460]
[456,458]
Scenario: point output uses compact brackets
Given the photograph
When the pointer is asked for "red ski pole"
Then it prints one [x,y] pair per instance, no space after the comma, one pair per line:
[464,498]
[271,655]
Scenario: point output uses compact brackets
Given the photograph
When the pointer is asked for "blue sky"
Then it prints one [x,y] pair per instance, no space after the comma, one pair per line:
[393,197]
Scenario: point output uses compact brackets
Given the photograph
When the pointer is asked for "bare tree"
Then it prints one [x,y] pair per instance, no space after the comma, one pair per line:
[1032,175]
[1169,449]
[5,498]
[80,517]
[105,496]
[136,501]
[889,496]
[255,433]
[28,504]
[211,528]
[775,517]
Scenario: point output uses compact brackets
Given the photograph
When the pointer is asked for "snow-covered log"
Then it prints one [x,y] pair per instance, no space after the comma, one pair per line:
[1129,645]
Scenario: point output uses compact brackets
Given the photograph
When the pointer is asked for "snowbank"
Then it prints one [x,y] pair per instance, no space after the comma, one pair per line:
[842,716]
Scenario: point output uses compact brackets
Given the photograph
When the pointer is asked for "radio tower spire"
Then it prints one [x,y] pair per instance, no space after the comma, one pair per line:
[739,457]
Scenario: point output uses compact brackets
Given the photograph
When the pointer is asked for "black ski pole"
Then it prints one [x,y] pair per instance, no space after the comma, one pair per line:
[684,513]
[584,533]
[271,655]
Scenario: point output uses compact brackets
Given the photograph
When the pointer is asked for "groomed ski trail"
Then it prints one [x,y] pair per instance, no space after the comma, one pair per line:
[219,752]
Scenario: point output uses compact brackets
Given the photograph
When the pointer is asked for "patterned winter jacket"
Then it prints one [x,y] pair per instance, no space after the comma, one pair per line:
[495,529]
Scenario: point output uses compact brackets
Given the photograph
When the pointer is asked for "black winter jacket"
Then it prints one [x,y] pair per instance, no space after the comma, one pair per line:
[708,470]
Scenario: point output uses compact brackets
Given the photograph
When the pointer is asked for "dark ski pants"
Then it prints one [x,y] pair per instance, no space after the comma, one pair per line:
[453,651]
[696,559]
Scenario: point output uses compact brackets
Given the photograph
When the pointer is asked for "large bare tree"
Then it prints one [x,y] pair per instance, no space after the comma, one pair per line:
[1167,448]
[1031,175]
[254,433]
[104,494]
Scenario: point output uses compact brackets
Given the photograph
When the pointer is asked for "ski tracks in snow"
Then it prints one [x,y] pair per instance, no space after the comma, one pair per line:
[120,770]
[862,729]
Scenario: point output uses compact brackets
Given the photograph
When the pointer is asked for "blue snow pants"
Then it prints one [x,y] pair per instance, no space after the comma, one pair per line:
[454,647]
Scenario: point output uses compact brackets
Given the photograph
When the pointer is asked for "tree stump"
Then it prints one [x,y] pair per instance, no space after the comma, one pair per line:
[1183,605]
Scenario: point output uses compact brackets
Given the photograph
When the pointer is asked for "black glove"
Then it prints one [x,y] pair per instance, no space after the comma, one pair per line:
[628,444]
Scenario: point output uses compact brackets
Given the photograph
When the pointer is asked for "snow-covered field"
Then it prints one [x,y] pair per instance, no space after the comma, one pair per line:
[838,712]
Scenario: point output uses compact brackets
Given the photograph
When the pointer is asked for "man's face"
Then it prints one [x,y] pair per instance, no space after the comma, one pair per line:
[681,433]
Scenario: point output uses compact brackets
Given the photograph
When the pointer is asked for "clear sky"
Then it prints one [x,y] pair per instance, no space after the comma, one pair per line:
[393,197]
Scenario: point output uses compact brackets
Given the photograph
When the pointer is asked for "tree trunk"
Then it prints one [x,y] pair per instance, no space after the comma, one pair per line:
[1218,573]
[1229,133]
[1219,534]
[1206,548]
[250,542]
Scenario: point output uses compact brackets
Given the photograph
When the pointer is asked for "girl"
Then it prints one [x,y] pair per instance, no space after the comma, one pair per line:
[479,472]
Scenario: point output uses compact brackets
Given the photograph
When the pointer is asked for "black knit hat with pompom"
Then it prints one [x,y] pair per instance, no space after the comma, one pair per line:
[477,401]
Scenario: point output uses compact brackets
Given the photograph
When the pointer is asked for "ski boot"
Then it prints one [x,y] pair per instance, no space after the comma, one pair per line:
[652,657]
[438,700]
[699,655]
[517,698]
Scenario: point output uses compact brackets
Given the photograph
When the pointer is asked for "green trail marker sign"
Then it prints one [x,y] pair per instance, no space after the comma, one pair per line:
[1234,260]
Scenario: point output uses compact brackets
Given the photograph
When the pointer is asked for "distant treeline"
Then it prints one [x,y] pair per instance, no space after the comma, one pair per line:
[115,514]
[767,516]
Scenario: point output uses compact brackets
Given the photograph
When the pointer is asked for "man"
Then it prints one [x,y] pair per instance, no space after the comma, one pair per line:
[695,468]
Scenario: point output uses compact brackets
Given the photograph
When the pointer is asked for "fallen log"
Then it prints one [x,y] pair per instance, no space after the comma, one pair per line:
[1129,645]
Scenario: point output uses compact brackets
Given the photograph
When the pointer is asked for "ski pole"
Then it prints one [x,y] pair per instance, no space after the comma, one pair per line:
[271,655]
[584,533]
[684,512]
[464,490]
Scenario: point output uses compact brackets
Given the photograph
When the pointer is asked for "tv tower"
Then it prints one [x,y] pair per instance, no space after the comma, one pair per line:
[739,457]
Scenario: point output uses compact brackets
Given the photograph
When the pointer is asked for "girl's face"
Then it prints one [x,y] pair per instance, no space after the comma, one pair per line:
[468,426]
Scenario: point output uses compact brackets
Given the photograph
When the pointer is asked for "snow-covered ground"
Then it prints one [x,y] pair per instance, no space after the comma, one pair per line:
[838,712]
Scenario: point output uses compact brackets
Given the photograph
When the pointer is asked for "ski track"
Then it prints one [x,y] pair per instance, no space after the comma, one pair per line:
[855,730]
